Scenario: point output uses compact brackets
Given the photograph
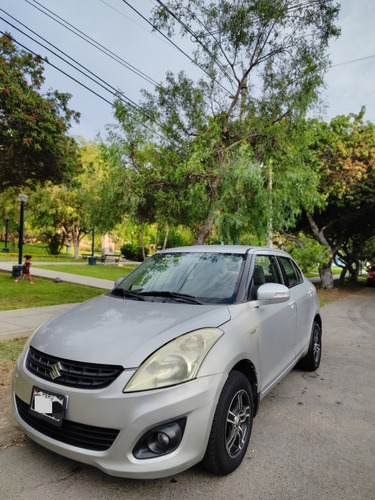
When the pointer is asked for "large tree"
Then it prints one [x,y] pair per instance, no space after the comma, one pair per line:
[34,144]
[238,130]
[67,212]
[344,158]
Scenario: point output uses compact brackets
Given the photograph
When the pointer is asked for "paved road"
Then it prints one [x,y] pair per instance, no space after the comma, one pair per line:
[314,436]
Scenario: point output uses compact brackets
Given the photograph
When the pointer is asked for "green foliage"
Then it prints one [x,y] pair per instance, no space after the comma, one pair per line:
[34,142]
[205,156]
[54,242]
[343,156]
[61,214]
[344,151]
[133,252]
[176,239]
[312,255]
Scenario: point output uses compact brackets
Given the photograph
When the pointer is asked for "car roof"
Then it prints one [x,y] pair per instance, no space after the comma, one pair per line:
[236,249]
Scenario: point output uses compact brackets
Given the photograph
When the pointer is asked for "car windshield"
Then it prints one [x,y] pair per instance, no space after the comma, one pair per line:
[193,277]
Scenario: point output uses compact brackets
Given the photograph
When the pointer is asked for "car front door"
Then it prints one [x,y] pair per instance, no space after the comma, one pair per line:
[276,325]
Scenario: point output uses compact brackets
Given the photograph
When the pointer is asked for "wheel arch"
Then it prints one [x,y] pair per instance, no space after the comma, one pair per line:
[318,320]
[246,367]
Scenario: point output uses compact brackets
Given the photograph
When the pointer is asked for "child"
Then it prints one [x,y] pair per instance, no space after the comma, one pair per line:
[26,270]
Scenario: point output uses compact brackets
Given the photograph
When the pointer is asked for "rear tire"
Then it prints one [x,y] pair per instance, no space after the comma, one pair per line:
[231,427]
[311,361]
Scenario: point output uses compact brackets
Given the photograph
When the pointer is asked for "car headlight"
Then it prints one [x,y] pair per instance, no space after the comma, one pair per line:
[175,362]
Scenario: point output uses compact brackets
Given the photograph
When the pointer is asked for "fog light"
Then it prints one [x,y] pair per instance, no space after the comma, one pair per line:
[160,441]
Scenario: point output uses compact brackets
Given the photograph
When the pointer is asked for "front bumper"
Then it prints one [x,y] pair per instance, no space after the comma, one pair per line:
[132,414]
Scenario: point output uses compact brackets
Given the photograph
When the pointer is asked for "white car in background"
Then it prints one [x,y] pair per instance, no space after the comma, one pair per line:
[168,369]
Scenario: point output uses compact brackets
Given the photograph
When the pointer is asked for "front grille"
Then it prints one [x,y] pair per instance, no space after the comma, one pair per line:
[80,435]
[72,373]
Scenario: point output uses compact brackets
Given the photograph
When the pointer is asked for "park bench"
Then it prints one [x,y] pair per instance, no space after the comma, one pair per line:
[110,257]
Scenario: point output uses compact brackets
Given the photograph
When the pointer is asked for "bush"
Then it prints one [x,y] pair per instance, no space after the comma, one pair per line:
[176,239]
[133,252]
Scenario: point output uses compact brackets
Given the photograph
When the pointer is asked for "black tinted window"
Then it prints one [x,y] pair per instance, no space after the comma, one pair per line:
[292,274]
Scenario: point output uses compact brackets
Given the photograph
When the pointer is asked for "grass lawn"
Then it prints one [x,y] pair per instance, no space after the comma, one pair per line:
[44,292]
[39,254]
[99,271]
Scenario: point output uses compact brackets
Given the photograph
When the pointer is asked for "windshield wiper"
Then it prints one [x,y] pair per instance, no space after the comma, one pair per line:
[178,297]
[127,294]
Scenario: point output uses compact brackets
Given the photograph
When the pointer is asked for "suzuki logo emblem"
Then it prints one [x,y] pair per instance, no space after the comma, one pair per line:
[55,371]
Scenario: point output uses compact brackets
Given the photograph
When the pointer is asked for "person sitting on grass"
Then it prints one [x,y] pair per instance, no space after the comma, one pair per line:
[26,270]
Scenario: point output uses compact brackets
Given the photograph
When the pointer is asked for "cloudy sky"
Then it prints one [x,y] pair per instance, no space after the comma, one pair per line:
[135,58]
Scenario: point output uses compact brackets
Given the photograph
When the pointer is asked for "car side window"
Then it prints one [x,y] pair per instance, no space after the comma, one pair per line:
[292,274]
[265,271]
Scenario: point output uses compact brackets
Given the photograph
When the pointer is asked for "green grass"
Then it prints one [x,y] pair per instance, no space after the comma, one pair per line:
[99,271]
[44,292]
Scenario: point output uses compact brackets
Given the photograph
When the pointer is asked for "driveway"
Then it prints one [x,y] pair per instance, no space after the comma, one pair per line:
[314,436]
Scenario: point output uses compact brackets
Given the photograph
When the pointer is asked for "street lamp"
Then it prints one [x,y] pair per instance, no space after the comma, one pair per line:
[6,249]
[17,270]
[92,259]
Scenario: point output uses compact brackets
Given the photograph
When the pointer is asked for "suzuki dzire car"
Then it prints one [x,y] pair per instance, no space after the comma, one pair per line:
[167,370]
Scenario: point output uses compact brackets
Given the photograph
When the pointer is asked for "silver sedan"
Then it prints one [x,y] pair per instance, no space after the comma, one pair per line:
[168,369]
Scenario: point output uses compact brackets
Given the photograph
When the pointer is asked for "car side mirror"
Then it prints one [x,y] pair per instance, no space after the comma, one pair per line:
[273,293]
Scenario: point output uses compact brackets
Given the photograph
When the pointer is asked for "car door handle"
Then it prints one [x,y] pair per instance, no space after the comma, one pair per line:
[310,293]
[292,304]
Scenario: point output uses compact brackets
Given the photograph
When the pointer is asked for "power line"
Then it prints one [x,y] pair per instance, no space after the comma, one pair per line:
[119,95]
[73,29]
[57,68]
[352,61]
[196,37]
[174,44]
[111,89]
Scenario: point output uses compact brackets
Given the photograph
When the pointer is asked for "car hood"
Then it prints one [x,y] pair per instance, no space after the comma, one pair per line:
[112,330]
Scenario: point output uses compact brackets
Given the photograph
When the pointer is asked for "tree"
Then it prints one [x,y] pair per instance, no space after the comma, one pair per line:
[238,127]
[67,212]
[344,158]
[60,212]
[265,63]
[34,145]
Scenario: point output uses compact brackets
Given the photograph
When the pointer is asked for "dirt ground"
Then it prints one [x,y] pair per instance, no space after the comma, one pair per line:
[11,435]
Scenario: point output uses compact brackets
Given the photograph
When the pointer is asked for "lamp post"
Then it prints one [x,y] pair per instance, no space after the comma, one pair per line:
[92,259]
[6,249]
[22,198]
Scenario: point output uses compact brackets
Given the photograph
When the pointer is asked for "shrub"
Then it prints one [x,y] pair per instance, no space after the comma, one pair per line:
[133,252]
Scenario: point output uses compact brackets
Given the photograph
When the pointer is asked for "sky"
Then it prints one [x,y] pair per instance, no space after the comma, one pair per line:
[136,58]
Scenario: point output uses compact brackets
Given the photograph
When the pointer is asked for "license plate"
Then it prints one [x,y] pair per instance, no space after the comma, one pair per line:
[47,405]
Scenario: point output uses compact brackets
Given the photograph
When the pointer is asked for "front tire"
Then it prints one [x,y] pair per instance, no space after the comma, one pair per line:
[231,427]
[311,361]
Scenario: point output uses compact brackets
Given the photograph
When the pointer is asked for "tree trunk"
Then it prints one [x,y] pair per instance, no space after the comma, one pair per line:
[205,231]
[209,223]
[76,249]
[143,244]
[342,276]
[165,243]
[326,277]
[156,239]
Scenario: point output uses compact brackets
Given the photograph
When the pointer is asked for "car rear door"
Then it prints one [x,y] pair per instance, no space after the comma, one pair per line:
[303,296]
